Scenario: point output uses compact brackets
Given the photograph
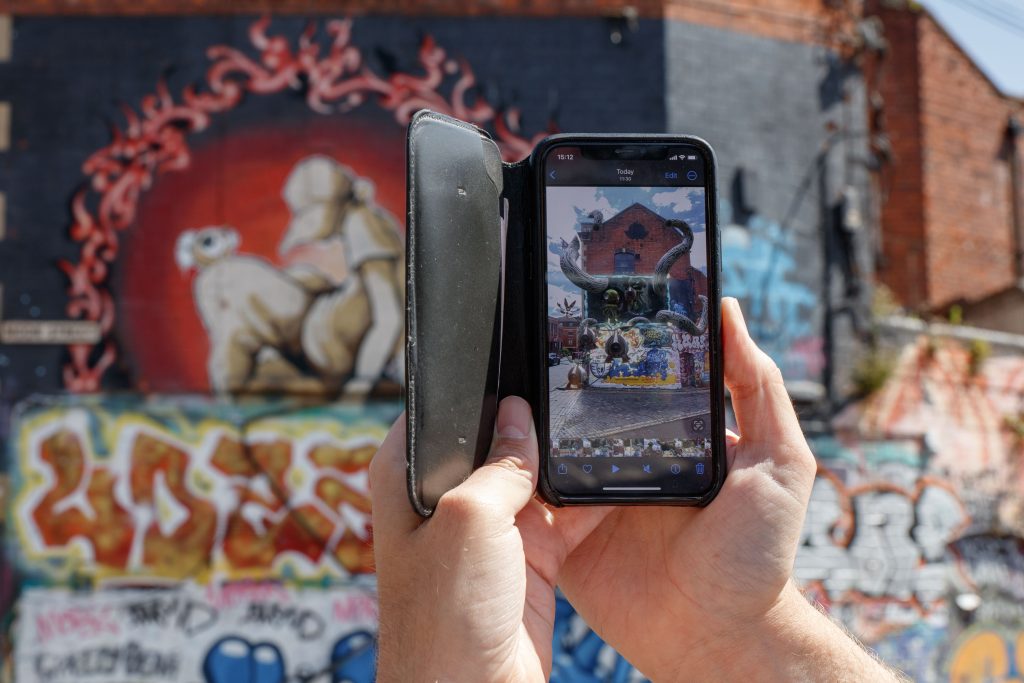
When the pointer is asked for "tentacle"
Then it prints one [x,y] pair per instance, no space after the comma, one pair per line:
[576,275]
[637,321]
[666,262]
[695,328]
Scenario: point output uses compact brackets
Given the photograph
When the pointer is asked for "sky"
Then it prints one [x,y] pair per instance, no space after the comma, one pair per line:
[566,205]
[991,32]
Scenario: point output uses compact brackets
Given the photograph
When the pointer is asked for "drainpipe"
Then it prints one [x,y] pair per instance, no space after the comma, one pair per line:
[1013,134]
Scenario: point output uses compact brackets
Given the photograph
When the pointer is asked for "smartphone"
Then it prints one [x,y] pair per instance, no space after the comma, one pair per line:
[631,404]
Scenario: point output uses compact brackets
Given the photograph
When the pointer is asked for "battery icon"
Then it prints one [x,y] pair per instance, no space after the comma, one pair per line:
[692,157]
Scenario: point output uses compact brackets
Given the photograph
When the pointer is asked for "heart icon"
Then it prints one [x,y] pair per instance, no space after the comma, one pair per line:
[587,469]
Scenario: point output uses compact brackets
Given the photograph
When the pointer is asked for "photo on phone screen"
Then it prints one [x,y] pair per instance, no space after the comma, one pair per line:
[628,343]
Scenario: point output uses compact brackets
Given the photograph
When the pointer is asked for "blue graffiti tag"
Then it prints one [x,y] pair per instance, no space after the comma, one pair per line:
[236,660]
[354,658]
[781,308]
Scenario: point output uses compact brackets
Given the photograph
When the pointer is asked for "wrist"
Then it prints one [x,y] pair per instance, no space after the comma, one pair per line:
[791,641]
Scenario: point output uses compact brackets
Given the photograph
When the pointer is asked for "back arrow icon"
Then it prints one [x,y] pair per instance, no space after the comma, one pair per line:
[551,175]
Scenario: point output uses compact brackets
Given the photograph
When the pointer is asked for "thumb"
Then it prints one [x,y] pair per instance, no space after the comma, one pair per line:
[508,478]
[768,426]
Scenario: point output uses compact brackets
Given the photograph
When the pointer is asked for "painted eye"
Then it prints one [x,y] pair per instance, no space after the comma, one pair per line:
[208,241]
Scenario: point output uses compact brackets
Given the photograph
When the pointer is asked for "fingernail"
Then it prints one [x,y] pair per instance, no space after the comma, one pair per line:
[514,419]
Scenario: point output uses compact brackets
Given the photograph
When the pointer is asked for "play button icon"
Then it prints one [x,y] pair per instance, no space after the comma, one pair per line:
[615,469]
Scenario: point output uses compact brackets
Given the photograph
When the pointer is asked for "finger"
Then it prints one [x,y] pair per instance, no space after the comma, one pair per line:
[764,412]
[393,515]
[769,430]
[505,483]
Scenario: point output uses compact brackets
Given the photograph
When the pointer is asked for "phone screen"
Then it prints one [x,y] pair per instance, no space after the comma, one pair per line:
[629,409]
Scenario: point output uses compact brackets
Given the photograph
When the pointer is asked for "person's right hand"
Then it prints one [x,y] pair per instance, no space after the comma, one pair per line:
[705,594]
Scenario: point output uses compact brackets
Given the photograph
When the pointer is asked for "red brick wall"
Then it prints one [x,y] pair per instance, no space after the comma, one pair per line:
[968,212]
[805,21]
[902,264]
[598,255]
[947,230]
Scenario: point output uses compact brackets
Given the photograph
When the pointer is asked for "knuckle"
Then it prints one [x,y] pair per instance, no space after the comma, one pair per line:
[808,463]
[461,506]
[769,370]
[802,465]
[513,468]
[514,453]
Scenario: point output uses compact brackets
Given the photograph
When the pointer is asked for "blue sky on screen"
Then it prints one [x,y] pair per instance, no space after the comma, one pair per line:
[991,32]
[566,205]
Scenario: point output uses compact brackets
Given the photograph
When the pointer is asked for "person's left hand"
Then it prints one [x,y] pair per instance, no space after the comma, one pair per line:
[469,594]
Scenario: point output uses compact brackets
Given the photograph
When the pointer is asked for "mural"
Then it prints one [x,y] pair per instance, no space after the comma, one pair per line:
[986,654]
[224,209]
[237,633]
[913,535]
[265,323]
[305,315]
[176,489]
[167,536]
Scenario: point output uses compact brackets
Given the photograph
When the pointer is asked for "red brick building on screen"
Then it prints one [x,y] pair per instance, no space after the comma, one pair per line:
[633,241]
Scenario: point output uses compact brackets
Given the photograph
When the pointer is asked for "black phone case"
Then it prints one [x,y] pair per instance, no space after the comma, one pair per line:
[473,332]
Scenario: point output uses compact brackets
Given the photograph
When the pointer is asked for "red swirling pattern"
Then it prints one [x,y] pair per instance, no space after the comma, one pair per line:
[154,140]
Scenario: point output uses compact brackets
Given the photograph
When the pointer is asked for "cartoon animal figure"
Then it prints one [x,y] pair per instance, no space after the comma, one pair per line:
[252,311]
[354,332]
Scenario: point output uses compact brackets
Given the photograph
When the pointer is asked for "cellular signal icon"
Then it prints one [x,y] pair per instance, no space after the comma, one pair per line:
[674,157]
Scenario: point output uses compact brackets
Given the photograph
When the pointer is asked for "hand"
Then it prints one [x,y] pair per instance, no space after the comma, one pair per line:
[705,594]
[468,595]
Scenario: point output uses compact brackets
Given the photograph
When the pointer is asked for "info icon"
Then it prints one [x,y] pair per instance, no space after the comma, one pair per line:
[675,469]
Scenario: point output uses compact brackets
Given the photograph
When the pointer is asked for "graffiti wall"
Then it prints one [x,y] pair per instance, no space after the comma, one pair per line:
[243,632]
[111,491]
[913,537]
[786,120]
[201,298]
[201,306]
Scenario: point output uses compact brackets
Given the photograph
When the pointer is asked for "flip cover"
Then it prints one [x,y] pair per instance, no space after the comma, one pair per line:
[454,267]
[470,276]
